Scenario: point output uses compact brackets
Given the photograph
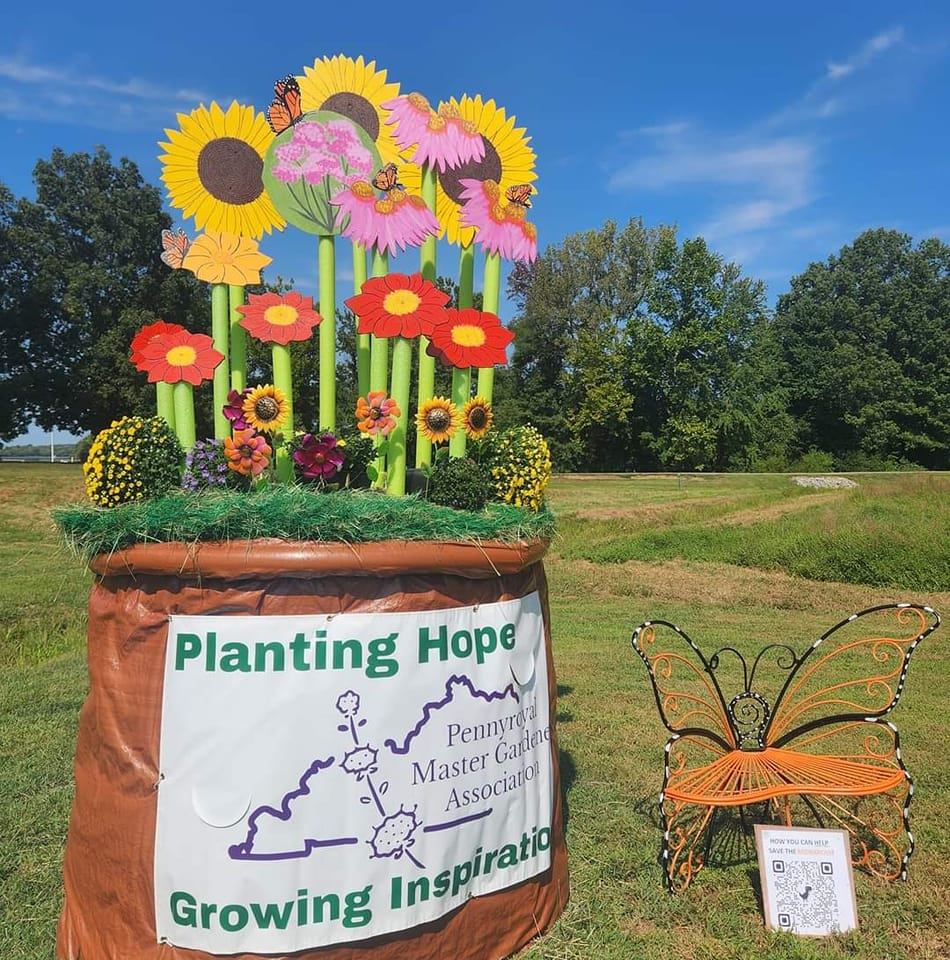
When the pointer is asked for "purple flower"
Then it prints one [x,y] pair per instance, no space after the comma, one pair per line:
[348,703]
[203,466]
[234,409]
[318,458]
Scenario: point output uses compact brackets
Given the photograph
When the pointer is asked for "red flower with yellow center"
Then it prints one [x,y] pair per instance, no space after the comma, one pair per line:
[470,338]
[279,319]
[398,305]
[147,334]
[171,357]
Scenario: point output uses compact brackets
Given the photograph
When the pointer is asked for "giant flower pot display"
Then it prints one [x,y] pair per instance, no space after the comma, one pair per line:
[321,712]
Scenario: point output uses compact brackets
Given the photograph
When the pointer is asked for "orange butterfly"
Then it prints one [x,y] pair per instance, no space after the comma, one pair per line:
[284,110]
[388,178]
[174,248]
[520,194]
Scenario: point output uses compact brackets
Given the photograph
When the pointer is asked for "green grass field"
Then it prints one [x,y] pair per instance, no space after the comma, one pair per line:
[744,560]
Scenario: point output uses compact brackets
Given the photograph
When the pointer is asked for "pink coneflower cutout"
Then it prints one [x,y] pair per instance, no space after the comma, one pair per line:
[502,228]
[396,220]
[443,140]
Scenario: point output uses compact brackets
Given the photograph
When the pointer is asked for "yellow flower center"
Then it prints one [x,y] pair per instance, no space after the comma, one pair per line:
[181,356]
[223,257]
[400,302]
[436,123]
[468,335]
[419,102]
[385,205]
[281,315]
[362,190]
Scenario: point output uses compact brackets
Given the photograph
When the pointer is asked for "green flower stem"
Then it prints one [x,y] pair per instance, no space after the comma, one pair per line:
[220,331]
[283,380]
[184,399]
[362,339]
[462,379]
[327,266]
[402,380]
[427,257]
[379,356]
[238,340]
[164,396]
[491,295]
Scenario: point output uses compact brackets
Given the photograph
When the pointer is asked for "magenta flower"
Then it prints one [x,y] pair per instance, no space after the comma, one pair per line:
[318,458]
[397,220]
[234,409]
[501,227]
[442,140]
[340,137]
[309,133]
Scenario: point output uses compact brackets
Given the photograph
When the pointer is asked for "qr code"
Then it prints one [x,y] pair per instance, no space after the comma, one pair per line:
[805,895]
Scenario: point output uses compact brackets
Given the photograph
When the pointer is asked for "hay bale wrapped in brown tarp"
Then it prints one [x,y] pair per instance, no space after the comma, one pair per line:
[109,909]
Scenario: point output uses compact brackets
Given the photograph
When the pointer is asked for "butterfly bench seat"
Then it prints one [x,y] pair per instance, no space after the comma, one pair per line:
[745,776]
[811,741]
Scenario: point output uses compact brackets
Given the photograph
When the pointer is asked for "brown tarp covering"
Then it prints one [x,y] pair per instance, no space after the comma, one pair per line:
[108,910]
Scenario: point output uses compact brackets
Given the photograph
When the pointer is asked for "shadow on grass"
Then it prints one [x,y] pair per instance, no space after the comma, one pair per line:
[568,776]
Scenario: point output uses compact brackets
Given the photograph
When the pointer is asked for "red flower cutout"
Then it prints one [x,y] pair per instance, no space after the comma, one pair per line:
[398,306]
[172,357]
[279,319]
[147,333]
[470,338]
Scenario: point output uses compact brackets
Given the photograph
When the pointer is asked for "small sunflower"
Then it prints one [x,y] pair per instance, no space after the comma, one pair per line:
[266,409]
[477,417]
[356,90]
[212,167]
[438,419]
[508,160]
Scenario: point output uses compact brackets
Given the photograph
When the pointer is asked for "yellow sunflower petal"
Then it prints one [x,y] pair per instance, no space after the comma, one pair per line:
[182,176]
[331,76]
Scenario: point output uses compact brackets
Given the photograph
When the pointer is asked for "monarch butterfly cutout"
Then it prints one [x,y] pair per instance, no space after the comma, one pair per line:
[808,739]
[174,248]
[284,110]
[388,178]
[520,194]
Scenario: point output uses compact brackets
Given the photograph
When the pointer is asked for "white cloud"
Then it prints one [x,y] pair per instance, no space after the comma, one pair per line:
[870,49]
[72,95]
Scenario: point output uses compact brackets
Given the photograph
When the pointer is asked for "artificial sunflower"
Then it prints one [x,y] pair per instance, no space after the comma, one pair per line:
[398,305]
[470,338]
[438,419]
[266,409]
[212,167]
[226,258]
[477,417]
[508,160]
[356,90]
[276,318]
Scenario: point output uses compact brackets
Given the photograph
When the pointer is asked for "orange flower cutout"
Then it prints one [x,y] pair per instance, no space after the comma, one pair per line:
[470,338]
[398,305]
[247,453]
[376,414]
[279,319]
[172,357]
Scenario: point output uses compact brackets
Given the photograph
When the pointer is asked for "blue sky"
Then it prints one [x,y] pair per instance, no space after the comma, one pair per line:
[778,132]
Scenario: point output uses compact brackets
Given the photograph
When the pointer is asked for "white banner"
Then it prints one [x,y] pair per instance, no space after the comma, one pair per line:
[332,778]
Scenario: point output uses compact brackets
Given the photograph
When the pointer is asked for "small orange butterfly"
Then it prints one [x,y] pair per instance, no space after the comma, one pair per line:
[284,110]
[520,194]
[174,248]
[388,178]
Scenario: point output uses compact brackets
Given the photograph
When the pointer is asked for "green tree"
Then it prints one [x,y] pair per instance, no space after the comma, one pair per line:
[636,351]
[79,273]
[865,336]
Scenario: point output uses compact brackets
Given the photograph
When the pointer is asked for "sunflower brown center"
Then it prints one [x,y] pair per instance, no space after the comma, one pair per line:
[230,170]
[488,168]
[355,108]
[477,417]
[266,408]
[438,419]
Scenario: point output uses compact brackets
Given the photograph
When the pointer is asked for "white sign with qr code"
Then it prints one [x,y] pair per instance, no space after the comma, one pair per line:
[807,881]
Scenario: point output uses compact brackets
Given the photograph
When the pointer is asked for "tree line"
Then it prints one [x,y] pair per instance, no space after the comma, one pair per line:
[634,350]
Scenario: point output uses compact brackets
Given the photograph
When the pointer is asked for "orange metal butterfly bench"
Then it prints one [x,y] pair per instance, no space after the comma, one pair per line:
[811,742]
